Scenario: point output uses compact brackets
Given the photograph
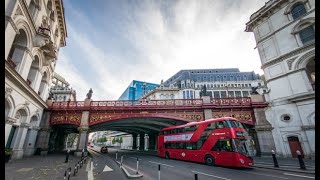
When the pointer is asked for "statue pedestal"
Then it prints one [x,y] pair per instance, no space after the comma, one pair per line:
[87,102]
[257,98]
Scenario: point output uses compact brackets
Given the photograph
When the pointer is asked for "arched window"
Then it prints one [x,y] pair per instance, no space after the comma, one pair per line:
[52,16]
[306,34]
[34,8]
[34,70]
[304,31]
[298,10]
[18,50]
[49,5]
[310,70]
[218,78]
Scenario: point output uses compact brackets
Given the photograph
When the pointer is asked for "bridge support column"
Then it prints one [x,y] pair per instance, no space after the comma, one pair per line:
[82,141]
[42,144]
[141,142]
[134,141]
[152,142]
[83,132]
[207,112]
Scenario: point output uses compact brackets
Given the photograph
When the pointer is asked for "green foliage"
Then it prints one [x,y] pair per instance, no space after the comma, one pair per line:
[120,140]
[8,151]
[103,139]
[114,141]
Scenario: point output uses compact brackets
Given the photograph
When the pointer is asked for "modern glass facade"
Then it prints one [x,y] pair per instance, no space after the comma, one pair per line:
[136,90]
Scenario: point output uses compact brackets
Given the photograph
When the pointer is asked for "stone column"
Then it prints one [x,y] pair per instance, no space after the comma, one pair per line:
[152,141]
[263,129]
[83,131]
[141,141]
[19,141]
[207,112]
[44,133]
[134,141]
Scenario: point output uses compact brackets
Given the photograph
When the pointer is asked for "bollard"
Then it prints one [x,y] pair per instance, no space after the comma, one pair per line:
[275,162]
[69,173]
[158,171]
[67,156]
[137,165]
[65,173]
[75,170]
[82,153]
[301,162]
[117,155]
[121,162]
[196,176]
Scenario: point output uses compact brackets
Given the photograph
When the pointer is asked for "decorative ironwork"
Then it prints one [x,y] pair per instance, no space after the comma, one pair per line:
[246,117]
[231,101]
[66,119]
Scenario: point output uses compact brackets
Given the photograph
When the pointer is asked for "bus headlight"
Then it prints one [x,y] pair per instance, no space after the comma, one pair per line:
[241,161]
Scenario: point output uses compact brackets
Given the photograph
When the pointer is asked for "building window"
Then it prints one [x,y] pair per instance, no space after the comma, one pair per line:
[231,78]
[245,93]
[218,78]
[184,94]
[306,34]
[298,10]
[244,77]
[216,94]
[223,94]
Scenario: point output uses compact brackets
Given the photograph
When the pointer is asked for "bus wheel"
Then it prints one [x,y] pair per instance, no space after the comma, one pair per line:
[209,160]
[167,155]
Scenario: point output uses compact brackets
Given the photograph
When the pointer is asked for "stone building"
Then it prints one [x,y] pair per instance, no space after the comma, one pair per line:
[284,31]
[60,90]
[220,83]
[34,32]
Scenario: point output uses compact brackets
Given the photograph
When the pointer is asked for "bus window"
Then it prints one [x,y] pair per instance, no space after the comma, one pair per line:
[190,128]
[212,126]
[173,131]
[161,133]
[235,124]
[221,124]
[222,145]
[191,146]
[180,145]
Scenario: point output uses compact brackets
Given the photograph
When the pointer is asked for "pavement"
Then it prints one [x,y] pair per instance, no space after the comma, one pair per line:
[53,166]
[285,164]
[48,167]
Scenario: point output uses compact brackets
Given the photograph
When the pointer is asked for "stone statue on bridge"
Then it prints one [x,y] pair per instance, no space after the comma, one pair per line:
[89,94]
[204,91]
[254,90]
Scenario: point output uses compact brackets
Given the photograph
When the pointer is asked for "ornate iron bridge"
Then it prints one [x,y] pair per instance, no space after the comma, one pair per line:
[180,109]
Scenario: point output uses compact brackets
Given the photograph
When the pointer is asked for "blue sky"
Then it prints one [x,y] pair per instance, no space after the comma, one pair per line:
[112,42]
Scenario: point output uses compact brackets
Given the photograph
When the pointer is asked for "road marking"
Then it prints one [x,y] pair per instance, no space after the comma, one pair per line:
[298,175]
[160,163]
[90,173]
[295,165]
[267,175]
[107,168]
[210,175]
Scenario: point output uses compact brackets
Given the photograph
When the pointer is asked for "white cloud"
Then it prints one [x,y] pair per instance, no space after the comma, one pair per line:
[190,35]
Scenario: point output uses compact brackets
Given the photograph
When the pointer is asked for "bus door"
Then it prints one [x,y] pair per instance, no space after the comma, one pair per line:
[224,153]
[161,145]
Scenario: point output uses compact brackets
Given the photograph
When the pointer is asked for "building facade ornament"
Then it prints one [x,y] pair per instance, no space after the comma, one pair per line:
[10,20]
[8,91]
[289,62]
[18,12]
[11,120]
[25,125]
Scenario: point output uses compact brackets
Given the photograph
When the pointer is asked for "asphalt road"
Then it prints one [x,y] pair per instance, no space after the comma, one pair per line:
[180,170]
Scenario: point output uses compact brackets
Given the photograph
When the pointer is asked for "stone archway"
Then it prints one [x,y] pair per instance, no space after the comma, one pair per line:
[31,136]
[310,70]
[18,50]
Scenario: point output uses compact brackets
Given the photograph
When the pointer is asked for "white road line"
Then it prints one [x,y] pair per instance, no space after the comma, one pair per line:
[298,175]
[267,175]
[90,173]
[210,175]
[160,163]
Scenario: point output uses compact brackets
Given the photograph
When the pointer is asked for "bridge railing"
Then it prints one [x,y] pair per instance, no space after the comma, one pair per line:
[241,101]
[67,104]
[231,101]
[173,102]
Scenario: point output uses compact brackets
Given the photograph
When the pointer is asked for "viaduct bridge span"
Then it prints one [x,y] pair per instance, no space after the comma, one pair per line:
[136,117]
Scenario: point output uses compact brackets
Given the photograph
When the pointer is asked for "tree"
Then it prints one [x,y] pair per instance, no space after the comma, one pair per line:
[114,140]
[120,140]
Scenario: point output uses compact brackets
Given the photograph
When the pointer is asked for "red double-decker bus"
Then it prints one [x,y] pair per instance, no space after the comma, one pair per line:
[219,141]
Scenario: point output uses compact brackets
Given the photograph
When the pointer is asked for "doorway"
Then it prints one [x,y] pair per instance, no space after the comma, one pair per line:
[294,146]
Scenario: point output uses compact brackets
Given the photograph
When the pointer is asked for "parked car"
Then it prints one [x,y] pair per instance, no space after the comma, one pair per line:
[104,149]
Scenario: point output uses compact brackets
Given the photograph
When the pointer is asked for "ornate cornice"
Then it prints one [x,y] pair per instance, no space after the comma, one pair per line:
[11,120]
[310,127]
[27,125]
[288,55]
[9,19]
[263,127]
